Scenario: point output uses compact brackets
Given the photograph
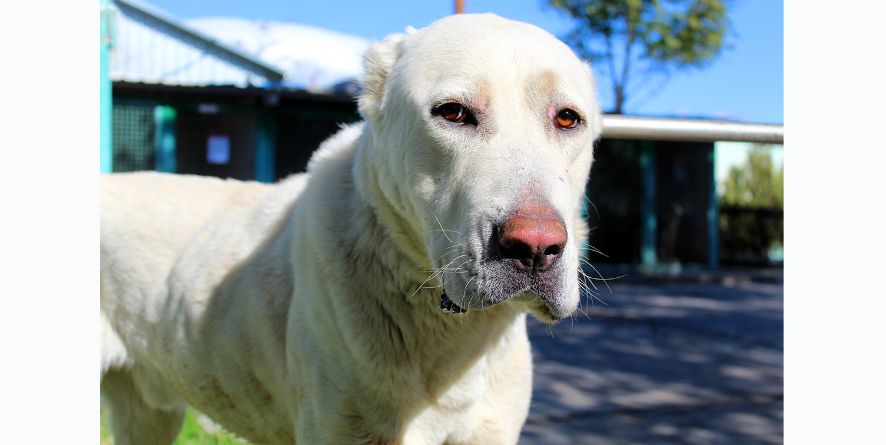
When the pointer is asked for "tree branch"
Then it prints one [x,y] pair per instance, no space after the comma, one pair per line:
[616,85]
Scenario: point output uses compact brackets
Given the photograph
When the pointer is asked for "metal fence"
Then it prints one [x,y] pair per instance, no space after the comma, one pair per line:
[133,137]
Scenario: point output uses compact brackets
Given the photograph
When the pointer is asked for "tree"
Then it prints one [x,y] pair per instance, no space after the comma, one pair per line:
[751,219]
[756,183]
[643,39]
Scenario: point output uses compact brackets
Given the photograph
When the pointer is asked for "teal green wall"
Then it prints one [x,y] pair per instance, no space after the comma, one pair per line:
[106,153]
[648,217]
[265,144]
[164,138]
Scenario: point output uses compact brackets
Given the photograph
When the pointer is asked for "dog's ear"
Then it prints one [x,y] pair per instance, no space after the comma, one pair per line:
[596,118]
[597,123]
[377,64]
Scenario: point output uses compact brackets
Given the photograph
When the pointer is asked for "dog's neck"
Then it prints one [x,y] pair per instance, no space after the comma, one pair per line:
[388,262]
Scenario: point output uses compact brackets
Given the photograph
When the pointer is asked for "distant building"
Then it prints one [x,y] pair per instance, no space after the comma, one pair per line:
[224,97]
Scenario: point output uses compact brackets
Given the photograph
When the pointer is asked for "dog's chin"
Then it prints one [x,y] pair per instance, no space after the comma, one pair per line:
[547,308]
[543,310]
[456,298]
[548,295]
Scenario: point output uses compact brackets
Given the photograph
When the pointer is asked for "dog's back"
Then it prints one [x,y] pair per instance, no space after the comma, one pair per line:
[147,220]
[161,212]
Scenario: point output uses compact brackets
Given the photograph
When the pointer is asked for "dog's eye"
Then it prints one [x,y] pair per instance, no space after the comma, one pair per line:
[455,112]
[567,118]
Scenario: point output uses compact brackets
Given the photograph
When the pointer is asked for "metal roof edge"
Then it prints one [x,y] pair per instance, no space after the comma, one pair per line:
[233,90]
[166,20]
[617,126]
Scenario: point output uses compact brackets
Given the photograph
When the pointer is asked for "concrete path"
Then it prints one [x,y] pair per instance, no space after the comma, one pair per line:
[662,363]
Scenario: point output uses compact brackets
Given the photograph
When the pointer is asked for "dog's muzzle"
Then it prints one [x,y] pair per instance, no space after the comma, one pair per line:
[533,238]
[523,257]
[448,306]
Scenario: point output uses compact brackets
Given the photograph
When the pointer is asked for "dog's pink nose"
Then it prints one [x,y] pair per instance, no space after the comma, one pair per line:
[534,236]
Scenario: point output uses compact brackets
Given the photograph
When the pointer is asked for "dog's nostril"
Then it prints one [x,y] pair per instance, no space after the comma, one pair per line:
[534,241]
[552,250]
[517,250]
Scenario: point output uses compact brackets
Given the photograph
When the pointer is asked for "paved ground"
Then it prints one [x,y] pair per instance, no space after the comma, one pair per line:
[663,362]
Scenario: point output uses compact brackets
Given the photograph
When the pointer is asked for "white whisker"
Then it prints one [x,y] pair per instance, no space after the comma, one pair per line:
[436,273]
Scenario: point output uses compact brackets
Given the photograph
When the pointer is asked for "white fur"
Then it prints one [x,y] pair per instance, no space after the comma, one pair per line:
[308,311]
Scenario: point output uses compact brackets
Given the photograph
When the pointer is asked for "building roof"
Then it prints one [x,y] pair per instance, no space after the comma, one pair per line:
[149,45]
[152,46]
[312,58]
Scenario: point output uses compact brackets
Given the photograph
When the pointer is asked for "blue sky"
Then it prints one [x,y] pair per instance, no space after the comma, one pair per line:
[745,83]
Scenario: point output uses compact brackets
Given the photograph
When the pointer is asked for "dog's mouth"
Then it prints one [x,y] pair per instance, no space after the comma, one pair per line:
[536,305]
[498,281]
[449,306]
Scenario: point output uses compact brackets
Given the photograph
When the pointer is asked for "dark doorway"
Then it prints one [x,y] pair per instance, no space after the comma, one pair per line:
[221,145]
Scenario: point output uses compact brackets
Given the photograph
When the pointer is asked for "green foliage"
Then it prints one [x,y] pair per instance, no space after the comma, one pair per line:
[645,37]
[751,217]
[756,183]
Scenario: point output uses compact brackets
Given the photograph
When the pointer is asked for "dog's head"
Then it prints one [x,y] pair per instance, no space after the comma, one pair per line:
[482,141]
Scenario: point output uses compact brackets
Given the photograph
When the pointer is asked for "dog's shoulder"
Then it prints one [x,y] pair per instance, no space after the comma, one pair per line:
[338,147]
[147,219]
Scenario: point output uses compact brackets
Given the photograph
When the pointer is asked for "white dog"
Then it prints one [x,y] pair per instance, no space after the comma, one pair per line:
[381,298]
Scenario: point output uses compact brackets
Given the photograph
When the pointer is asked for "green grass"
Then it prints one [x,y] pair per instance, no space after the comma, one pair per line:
[191,434]
[106,430]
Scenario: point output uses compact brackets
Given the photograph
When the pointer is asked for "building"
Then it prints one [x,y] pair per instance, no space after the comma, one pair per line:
[186,101]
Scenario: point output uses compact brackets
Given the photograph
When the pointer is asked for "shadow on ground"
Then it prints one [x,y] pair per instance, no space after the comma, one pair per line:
[662,363]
